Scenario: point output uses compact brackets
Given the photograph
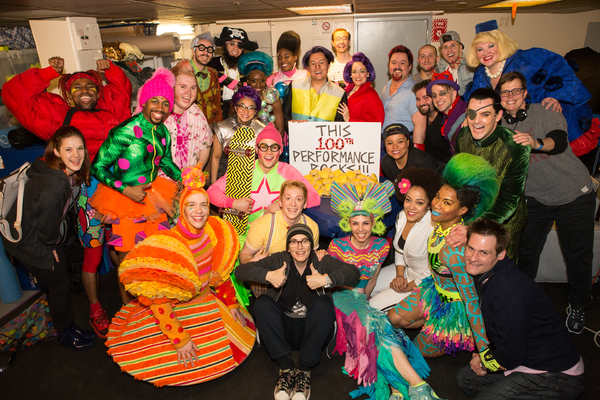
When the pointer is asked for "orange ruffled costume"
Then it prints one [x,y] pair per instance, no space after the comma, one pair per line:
[182,280]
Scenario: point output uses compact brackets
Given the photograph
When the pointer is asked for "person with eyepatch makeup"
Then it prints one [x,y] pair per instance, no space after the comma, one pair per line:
[486,138]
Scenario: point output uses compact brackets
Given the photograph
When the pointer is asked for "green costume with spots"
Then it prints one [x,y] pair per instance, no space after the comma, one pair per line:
[511,162]
[136,149]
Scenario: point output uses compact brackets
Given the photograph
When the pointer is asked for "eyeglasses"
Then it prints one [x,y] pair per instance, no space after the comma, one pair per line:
[295,243]
[440,94]
[249,108]
[265,147]
[202,47]
[514,92]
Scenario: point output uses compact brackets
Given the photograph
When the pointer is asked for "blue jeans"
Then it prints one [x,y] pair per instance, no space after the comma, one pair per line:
[519,386]
[575,228]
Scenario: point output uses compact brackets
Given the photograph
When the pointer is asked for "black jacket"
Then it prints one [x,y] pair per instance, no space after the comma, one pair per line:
[340,273]
[46,195]
[521,322]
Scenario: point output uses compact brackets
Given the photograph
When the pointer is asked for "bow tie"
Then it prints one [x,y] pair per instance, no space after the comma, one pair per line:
[202,74]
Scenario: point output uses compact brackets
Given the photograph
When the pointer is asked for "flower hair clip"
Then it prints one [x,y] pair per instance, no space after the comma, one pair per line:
[193,178]
[404,185]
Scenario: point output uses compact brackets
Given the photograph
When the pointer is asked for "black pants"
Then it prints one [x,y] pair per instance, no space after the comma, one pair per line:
[575,228]
[282,334]
[59,290]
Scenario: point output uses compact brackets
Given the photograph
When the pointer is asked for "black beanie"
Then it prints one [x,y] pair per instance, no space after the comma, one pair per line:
[299,229]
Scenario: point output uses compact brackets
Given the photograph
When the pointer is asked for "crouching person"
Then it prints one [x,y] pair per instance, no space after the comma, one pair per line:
[298,313]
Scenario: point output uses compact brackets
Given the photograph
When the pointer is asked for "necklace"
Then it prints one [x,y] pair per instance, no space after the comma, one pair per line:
[437,239]
[496,75]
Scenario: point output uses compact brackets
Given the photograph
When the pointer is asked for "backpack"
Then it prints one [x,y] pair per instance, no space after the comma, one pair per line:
[11,189]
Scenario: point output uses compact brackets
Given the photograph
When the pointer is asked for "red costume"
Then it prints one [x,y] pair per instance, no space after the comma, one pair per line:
[365,104]
[43,113]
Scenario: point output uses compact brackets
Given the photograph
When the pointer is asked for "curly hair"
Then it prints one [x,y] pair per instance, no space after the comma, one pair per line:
[246,91]
[317,49]
[55,162]
[475,181]
[506,46]
[359,57]
[425,178]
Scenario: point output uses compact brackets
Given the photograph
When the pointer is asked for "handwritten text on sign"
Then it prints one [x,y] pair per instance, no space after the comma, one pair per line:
[347,146]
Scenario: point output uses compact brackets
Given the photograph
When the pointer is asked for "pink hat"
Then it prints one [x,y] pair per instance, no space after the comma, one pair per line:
[161,84]
[270,132]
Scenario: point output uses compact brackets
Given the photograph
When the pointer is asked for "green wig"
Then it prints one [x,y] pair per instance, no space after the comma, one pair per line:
[375,204]
[255,60]
[475,181]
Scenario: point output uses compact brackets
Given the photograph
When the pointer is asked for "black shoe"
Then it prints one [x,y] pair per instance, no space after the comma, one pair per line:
[89,335]
[69,339]
[576,320]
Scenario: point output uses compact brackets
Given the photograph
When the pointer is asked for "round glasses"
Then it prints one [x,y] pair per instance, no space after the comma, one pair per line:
[265,147]
[202,47]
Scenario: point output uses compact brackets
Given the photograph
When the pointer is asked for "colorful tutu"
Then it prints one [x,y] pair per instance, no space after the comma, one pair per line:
[447,325]
[368,338]
[139,347]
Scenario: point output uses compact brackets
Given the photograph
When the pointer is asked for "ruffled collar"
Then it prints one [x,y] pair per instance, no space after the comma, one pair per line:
[188,230]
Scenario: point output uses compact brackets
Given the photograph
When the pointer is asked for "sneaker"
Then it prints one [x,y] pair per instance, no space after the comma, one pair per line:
[576,320]
[396,396]
[100,322]
[285,384]
[301,386]
[422,392]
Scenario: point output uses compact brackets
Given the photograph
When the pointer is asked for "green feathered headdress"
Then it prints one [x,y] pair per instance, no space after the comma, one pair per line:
[375,204]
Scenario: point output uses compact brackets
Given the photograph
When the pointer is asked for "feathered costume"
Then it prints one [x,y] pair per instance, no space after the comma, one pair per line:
[364,333]
[182,280]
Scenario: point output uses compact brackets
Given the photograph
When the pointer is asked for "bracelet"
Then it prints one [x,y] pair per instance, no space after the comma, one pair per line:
[541,143]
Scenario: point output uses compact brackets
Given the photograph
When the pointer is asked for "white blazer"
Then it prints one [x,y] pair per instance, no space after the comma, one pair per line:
[414,255]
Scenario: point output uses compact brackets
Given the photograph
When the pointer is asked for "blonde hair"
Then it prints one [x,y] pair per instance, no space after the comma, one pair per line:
[506,46]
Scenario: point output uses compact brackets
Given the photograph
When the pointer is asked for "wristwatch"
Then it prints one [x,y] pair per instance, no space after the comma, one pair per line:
[541,143]
[329,283]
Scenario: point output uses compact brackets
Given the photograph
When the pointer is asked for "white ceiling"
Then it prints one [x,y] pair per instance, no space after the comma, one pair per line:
[18,12]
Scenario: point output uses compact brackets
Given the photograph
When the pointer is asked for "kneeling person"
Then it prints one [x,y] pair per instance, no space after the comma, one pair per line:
[298,313]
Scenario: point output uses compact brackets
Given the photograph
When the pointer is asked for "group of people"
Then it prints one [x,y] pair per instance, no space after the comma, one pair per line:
[482,164]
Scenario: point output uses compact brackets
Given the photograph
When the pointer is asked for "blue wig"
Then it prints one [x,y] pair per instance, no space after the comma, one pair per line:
[317,49]
[475,181]
[246,91]
[359,57]
[255,60]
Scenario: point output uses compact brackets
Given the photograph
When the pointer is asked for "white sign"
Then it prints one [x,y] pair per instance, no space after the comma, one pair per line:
[347,146]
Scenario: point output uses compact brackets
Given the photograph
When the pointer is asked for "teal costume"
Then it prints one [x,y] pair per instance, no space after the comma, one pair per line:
[511,162]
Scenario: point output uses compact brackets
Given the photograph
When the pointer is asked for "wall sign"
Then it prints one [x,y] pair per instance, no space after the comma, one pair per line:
[439,26]
[326,26]
[347,146]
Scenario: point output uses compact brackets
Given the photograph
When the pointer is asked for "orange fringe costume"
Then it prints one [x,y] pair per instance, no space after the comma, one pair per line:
[182,280]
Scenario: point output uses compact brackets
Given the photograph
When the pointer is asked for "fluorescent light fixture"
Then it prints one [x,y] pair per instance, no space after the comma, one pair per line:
[519,3]
[341,9]
[180,29]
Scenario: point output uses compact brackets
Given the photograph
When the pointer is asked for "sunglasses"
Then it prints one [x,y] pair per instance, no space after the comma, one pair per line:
[265,147]
[202,47]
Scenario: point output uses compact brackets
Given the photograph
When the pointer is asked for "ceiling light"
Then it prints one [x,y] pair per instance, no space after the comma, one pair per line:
[519,3]
[341,9]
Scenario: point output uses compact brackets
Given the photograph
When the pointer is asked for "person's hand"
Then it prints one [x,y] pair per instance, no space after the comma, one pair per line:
[260,254]
[273,208]
[102,65]
[489,361]
[457,236]
[136,193]
[345,111]
[238,316]
[187,353]
[321,253]
[58,63]
[55,256]
[552,103]
[398,284]
[464,123]
[525,139]
[477,366]
[315,280]
[277,277]
[244,205]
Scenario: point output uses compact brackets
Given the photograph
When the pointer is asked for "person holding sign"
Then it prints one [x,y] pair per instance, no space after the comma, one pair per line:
[314,98]
[364,104]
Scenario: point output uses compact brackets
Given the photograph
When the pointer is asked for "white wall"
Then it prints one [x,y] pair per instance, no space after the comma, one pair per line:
[559,33]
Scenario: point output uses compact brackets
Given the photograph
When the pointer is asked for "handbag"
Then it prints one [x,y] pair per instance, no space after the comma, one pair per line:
[12,188]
